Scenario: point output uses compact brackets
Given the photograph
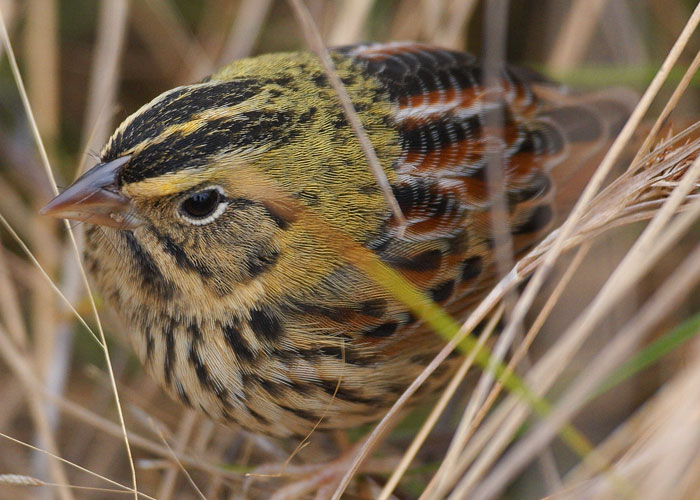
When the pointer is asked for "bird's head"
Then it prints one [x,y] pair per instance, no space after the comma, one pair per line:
[214,176]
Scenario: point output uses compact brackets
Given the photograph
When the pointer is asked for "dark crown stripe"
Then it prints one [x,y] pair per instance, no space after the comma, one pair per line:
[176,107]
[177,151]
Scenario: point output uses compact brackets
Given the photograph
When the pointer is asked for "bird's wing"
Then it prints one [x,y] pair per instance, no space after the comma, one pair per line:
[451,126]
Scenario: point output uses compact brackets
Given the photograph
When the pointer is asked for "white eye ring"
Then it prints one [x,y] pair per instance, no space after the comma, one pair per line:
[208,216]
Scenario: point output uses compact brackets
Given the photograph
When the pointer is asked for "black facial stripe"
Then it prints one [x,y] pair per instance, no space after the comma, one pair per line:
[265,324]
[181,258]
[259,262]
[151,277]
[238,344]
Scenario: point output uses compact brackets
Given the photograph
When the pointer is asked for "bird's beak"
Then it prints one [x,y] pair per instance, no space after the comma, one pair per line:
[95,198]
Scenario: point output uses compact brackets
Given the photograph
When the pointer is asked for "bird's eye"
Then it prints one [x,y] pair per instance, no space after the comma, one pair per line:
[204,206]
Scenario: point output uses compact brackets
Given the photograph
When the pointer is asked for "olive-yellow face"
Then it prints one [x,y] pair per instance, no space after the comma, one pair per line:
[226,221]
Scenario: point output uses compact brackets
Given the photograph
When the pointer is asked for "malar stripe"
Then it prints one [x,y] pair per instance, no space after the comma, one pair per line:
[258,262]
[151,277]
[181,258]
[266,324]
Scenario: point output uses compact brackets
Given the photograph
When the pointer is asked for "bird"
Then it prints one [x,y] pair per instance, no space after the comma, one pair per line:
[223,219]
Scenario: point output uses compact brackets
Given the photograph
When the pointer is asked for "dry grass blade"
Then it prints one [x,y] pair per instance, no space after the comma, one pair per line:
[656,448]
[28,481]
[663,301]
[612,155]
[9,304]
[668,109]
[47,166]
[451,33]
[545,267]
[350,22]
[245,30]
[24,372]
[546,264]
[168,484]
[103,79]
[439,408]
[576,33]
[624,277]
[42,57]
[21,478]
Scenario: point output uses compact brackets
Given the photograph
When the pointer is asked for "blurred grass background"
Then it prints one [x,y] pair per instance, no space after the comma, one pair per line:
[88,64]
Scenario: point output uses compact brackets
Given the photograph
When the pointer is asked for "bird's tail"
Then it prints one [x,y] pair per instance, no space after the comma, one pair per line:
[588,123]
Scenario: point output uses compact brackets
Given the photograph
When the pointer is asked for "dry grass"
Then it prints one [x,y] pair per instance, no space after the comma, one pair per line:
[605,285]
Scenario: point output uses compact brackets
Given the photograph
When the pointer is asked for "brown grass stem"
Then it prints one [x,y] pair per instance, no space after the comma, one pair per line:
[664,300]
